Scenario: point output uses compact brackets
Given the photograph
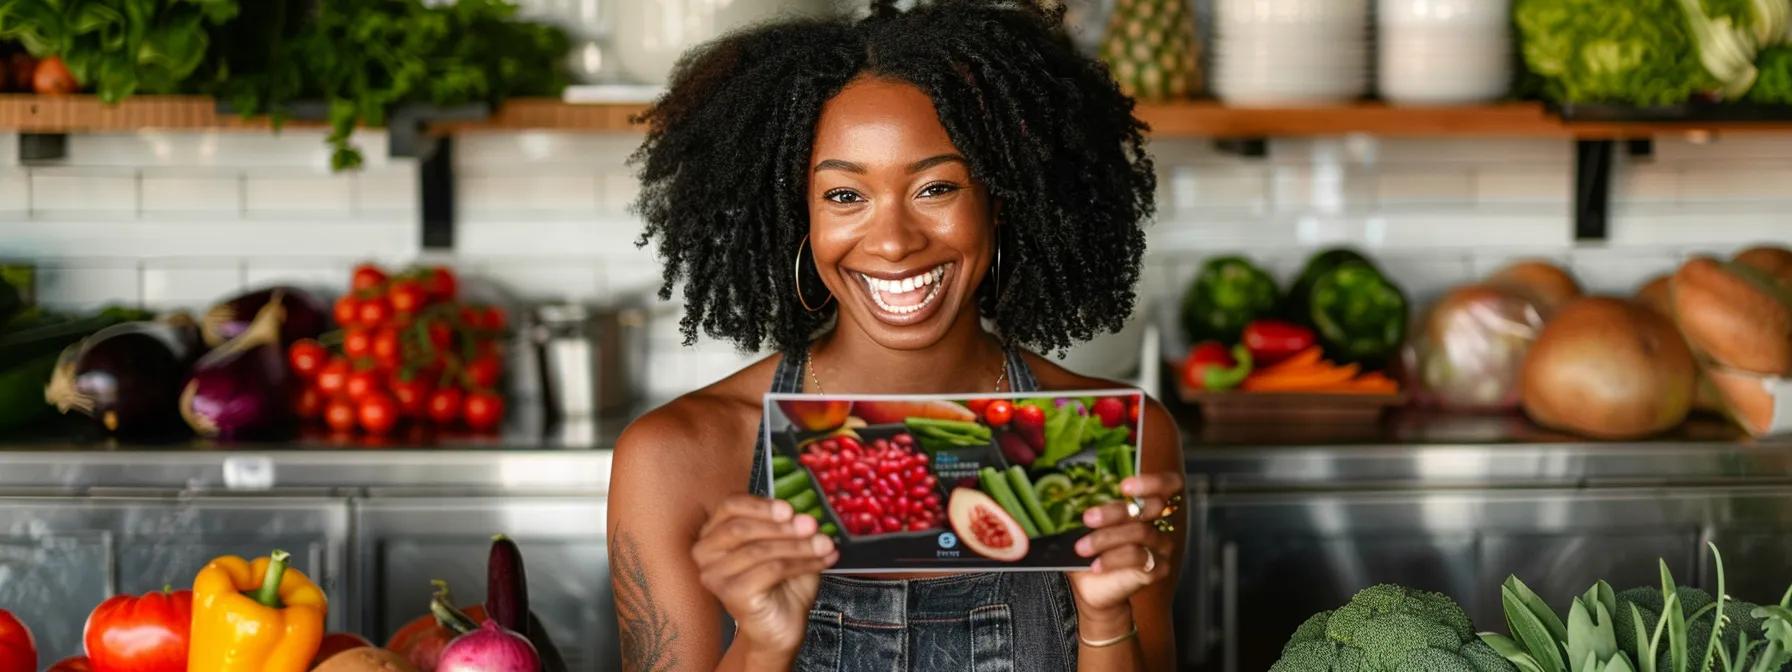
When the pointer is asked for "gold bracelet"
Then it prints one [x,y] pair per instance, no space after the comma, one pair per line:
[1104,643]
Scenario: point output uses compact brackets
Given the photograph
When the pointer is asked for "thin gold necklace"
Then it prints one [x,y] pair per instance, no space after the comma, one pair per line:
[809,363]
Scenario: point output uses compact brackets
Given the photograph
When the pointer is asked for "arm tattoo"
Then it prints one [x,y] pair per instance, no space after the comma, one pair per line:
[647,631]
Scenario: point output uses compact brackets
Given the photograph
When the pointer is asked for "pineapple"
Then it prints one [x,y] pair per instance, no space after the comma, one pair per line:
[1151,50]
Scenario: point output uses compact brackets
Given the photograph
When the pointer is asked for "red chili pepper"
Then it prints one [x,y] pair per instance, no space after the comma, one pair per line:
[1271,341]
[1211,367]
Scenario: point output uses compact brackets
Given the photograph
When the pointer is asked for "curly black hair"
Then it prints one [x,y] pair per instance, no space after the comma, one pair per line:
[1044,128]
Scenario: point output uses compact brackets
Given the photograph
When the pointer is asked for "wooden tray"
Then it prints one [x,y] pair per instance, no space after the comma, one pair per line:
[1303,407]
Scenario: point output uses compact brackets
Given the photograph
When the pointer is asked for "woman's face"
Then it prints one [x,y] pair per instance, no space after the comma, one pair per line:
[901,233]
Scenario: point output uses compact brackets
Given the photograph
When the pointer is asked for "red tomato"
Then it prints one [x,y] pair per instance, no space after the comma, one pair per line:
[375,311]
[1132,413]
[53,78]
[998,413]
[1029,417]
[334,376]
[378,413]
[385,348]
[140,634]
[366,277]
[1110,410]
[493,318]
[360,384]
[977,406]
[347,311]
[337,642]
[441,335]
[18,651]
[340,415]
[441,284]
[71,664]
[483,372]
[412,396]
[408,297]
[445,406]
[357,343]
[309,405]
[307,357]
[484,411]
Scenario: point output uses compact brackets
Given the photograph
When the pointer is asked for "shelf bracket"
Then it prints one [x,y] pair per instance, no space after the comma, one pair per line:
[41,147]
[1592,189]
[1248,148]
[435,187]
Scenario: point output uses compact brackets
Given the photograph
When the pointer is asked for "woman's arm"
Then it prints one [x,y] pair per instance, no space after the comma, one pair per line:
[1121,546]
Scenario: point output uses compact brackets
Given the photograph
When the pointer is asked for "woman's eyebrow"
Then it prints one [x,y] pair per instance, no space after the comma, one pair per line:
[932,161]
[837,164]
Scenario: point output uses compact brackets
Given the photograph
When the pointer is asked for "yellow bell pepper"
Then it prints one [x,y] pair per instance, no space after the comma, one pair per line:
[263,617]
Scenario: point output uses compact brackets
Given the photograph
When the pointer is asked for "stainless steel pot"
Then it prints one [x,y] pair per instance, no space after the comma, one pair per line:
[592,359]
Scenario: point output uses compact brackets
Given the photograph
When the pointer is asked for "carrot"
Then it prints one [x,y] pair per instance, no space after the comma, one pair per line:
[1300,380]
[1305,359]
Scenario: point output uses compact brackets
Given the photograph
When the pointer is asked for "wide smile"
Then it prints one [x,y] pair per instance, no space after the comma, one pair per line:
[907,299]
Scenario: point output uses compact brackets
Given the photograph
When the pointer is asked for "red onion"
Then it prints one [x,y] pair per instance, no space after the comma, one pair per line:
[239,390]
[491,648]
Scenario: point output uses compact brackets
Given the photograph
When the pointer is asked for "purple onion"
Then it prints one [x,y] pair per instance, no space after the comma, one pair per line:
[306,315]
[239,389]
[491,648]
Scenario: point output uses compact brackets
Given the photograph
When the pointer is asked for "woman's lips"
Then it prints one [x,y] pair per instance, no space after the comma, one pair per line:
[907,299]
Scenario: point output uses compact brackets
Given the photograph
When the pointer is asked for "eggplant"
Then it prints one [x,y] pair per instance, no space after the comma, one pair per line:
[306,315]
[240,389]
[507,601]
[126,377]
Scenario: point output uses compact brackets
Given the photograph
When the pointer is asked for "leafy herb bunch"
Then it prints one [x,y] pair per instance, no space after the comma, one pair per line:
[119,47]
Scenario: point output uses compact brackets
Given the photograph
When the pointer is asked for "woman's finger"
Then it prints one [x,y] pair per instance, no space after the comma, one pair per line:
[1163,484]
[748,506]
[1105,539]
[751,555]
[724,538]
[1111,513]
[761,578]
[1131,556]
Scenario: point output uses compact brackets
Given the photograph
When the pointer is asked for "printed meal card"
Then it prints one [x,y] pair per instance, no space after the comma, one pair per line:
[952,482]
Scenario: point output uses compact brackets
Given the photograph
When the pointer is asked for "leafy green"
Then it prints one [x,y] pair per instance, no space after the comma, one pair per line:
[1640,52]
[366,58]
[1773,85]
[119,47]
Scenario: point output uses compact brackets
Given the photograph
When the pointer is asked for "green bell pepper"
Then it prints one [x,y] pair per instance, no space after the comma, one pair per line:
[1359,315]
[1226,295]
[1300,296]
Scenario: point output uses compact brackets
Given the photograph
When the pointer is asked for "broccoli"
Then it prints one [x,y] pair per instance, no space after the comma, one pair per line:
[1390,628]
[1648,600]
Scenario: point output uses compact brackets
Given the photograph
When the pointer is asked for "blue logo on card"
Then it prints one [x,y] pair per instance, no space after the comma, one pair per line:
[948,540]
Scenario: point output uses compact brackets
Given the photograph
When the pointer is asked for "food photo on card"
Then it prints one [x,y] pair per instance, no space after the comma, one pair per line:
[942,483]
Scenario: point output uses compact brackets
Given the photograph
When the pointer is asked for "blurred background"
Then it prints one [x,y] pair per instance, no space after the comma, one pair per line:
[359,279]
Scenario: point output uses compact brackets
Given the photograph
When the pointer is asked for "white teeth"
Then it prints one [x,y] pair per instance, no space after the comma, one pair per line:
[908,284]
[931,278]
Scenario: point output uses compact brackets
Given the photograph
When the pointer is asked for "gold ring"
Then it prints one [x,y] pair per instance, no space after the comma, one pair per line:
[1164,525]
[1171,507]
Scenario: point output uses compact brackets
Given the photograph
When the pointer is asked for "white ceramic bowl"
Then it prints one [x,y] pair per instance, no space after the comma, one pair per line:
[1456,12]
[1239,12]
[1439,67]
[650,35]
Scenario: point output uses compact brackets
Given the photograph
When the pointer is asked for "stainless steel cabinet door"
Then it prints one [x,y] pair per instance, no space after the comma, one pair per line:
[59,557]
[403,543]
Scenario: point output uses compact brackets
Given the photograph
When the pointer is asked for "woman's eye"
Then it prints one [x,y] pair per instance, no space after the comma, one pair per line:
[842,196]
[938,189]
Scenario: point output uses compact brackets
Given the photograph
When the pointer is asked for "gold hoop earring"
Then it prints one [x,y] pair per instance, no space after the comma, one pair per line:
[798,272]
[996,269]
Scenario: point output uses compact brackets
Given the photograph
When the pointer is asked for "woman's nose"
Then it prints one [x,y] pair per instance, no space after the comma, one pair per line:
[894,233]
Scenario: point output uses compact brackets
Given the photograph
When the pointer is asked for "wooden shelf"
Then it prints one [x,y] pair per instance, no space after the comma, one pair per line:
[64,114]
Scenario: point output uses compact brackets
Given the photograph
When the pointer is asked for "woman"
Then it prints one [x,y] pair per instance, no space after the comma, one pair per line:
[864,196]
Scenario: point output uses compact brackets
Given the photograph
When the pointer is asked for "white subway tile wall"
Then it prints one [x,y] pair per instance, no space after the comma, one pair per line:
[179,219]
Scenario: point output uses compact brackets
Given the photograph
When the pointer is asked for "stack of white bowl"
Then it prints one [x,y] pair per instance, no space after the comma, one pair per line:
[1290,52]
[1441,52]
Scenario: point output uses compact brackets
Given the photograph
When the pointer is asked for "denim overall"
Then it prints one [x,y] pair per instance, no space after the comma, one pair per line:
[991,622]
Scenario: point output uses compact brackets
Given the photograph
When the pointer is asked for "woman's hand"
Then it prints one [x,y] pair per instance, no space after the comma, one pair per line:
[764,562]
[1130,553]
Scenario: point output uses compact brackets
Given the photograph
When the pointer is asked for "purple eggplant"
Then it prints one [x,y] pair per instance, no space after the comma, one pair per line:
[306,315]
[126,377]
[240,389]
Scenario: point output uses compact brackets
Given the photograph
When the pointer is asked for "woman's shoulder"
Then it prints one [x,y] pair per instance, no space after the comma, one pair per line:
[691,427]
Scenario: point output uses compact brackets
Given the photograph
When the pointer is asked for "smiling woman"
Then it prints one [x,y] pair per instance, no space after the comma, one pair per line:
[900,204]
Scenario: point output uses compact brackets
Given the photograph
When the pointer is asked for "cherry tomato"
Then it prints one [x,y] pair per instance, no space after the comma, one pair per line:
[367,277]
[493,318]
[1027,416]
[385,348]
[977,405]
[377,413]
[1132,413]
[998,413]
[408,297]
[1110,410]
[357,343]
[334,376]
[441,284]
[360,384]
[53,78]
[347,311]
[445,406]
[340,415]
[307,357]
[412,396]
[441,335]
[483,372]
[484,410]
[309,404]
[375,312]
